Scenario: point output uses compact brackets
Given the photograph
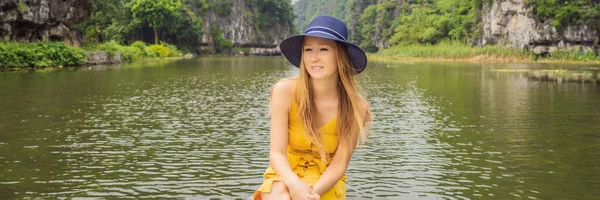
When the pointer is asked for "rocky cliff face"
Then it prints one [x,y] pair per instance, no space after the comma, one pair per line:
[377,37]
[240,28]
[512,23]
[39,20]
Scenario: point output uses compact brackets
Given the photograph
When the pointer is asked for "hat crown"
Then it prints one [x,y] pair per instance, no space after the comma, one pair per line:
[328,25]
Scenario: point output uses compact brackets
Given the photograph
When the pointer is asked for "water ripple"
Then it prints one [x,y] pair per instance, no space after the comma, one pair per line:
[199,129]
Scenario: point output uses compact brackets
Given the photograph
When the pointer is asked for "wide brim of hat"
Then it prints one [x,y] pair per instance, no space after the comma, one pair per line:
[291,48]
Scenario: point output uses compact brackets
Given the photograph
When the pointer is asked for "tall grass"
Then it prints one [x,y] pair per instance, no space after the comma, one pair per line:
[455,50]
[573,56]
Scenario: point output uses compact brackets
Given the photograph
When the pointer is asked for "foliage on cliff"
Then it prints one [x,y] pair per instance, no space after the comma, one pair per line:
[565,12]
[178,22]
[407,22]
[402,22]
[268,12]
[148,20]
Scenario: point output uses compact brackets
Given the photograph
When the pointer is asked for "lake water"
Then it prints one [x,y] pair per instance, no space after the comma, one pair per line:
[199,129]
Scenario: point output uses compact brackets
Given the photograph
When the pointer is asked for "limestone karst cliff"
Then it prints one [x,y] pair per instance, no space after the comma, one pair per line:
[513,23]
[40,20]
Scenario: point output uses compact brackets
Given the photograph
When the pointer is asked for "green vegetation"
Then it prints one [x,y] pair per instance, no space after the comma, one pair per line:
[157,14]
[170,26]
[573,56]
[42,54]
[53,54]
[423,28]
[177,22]
[222,7]
[309,9]
[243,50]
[457,50]
[375,20]
[164,50]
[412,22]
[219,43]
[419,22]
[137,50]
[431,21]
[143,49]
[564,12]
[152,21]
[268,12]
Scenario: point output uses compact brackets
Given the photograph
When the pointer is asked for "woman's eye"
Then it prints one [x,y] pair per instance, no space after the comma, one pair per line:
[307,49]
[323,49]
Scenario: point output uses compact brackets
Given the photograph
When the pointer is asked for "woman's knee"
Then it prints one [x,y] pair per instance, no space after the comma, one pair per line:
[278,191]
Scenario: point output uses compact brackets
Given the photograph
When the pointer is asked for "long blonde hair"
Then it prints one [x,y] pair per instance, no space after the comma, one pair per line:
[351,126]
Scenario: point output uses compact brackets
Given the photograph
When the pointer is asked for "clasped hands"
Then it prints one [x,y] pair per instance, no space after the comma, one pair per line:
[302,191]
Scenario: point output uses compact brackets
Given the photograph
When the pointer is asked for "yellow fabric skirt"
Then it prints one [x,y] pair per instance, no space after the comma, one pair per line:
[308,174]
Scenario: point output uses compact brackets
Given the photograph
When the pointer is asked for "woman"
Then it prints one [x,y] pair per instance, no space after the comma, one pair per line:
[317,118]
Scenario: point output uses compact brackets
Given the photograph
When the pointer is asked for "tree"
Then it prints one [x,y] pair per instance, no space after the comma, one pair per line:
[157,14]
[101,14]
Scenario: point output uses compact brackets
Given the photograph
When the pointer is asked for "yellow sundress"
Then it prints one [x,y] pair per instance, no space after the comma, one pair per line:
[304,158]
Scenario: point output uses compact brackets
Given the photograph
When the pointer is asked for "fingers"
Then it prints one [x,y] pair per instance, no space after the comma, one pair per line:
[313,195]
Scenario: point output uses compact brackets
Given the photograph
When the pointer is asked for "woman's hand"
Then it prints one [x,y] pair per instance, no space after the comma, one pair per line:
[313,195]
[300,190]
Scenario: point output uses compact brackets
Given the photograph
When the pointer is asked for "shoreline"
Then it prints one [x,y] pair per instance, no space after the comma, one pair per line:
[456,51]
[145,59]
[472,59]
[371,57]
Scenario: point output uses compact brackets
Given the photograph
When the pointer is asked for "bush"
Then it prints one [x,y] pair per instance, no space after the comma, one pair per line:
[41,54]
[160,50]
[51,54]
[164,50]
[138,49]
[172,48]
[127,53]
[143,49]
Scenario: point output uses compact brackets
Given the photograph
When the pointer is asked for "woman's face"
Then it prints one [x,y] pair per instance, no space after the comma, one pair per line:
[320,57]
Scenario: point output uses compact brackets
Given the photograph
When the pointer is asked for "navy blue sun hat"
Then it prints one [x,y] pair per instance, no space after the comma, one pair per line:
[326,27]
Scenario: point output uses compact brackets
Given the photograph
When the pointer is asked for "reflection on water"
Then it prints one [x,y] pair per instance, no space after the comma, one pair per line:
[558,75]
[200,128]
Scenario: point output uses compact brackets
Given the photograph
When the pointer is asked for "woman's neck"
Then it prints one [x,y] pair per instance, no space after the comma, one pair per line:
[325,88]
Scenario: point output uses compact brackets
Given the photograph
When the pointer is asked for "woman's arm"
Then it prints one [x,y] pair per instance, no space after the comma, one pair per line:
[281,99]
[340,161]
[335,170]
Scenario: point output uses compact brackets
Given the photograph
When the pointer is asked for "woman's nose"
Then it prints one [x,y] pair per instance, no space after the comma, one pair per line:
[314,56]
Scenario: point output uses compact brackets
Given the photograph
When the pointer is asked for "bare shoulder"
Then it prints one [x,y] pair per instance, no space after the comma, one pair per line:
[284,88]
[282,94]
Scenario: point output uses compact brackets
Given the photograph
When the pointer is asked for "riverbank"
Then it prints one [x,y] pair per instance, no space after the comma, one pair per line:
[456,51]
[16,55]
